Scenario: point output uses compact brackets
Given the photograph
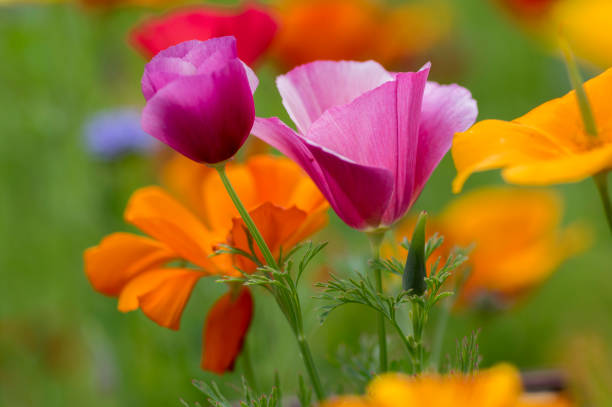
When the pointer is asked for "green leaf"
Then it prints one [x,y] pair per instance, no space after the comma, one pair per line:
[414,271]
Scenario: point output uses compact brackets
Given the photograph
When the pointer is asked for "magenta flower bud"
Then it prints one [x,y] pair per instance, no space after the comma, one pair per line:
[368,138]
[199,99]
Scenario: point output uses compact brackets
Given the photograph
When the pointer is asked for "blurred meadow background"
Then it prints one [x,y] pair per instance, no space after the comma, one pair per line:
[62,344]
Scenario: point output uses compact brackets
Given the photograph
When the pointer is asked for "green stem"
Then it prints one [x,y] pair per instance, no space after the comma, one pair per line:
[409,347]
[285,303]
[601,181]
[261,243]
[310,366]
[575,77]
[439,333]
[376,239]
[248,366]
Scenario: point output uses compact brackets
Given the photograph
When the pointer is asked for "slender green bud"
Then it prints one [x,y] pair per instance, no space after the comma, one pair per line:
[415,271]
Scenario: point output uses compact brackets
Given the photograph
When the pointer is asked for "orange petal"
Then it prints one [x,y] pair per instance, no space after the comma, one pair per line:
[156,213]
[226,326]
[276,225]
[275,178]
[161,294]
[184,179]
[218,206]
[121,256]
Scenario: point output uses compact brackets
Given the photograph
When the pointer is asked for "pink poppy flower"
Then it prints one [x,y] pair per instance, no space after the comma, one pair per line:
[368,138]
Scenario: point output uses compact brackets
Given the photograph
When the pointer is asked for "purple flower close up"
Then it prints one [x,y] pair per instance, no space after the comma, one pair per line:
[199,99]
[112,133]
[368,138]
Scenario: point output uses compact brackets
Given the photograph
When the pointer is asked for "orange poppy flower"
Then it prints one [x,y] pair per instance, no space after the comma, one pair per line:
[546,146]
[284,204]
[355,30]
[516,238]
[499,386]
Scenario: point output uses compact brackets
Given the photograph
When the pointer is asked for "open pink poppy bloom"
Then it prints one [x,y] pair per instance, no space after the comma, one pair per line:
[368,138]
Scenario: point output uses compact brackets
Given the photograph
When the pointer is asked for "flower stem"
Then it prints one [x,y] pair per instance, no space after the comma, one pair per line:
[310,367]
[376,239]
[290,306]
[601,181]
[575,77]
[261,243]
[438,340]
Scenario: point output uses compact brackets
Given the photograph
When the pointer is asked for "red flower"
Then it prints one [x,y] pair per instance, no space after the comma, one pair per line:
[253,28]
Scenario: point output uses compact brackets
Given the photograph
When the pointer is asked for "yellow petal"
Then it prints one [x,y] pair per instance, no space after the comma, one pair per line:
[572,168]
[494,144]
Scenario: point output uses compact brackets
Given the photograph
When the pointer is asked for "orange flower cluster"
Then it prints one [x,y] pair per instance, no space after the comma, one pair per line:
[143,271]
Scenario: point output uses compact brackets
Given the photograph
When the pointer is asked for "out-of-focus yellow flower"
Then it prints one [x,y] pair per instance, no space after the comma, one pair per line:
[587,26]
[546,146]
[516,237]
[499,386]
[356,30]
[584,23]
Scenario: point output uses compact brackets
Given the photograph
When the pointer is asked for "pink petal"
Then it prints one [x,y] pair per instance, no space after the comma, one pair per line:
[447,109]
[308,90]
[379,129]
[359,194]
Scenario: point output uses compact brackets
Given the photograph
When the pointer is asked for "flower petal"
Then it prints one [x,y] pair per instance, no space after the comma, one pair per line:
[205,117]
[496,144]
[276,225]
[571,168]
[379,129]
[253,28]
[447,109]
[185,59]
[161,294]
[359,194]
[121,256]
[307,91]
[226,326]
[156,213]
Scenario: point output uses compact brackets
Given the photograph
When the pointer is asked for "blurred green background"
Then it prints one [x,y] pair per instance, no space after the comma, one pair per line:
[62,344]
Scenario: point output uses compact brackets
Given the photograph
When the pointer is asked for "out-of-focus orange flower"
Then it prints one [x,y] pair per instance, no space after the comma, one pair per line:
[546,146]
[285,206]
[516,237]
[499,386]
[356,30]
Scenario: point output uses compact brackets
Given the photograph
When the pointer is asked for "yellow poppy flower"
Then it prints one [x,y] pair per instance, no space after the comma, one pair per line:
[546,146]
[499,386]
